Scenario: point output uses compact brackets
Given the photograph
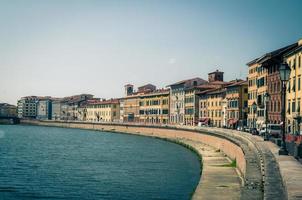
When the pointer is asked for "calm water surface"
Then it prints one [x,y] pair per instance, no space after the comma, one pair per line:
[56,163]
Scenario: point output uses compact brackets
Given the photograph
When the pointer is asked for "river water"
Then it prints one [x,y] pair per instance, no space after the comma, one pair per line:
[58,163]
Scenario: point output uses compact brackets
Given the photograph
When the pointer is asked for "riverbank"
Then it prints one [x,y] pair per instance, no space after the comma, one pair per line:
[218,151]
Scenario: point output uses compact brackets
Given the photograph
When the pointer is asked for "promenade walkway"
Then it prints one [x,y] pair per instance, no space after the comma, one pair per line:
[218,175]
[282,175]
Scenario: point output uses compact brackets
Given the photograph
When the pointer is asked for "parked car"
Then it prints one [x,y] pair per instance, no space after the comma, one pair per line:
[254,131]
[274,130]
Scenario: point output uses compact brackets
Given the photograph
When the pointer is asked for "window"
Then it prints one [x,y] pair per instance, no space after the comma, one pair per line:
[245,104]
[294,84]
[293,106]
[299,83]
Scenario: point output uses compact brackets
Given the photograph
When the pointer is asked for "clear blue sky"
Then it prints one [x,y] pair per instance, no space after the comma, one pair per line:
[60,48]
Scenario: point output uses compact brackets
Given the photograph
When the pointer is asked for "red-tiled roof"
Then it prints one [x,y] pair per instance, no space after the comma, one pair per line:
[217,91]
[239,82]
[187,80]
[109,101]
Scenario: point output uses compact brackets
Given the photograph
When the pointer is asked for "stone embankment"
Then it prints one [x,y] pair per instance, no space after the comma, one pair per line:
[219,149]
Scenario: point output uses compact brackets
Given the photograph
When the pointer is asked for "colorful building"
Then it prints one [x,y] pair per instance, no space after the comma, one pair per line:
[130,105]
[257,88]
[154,107]
[237,104]
[103,111]
[214,106]
[180,94]
[294,91]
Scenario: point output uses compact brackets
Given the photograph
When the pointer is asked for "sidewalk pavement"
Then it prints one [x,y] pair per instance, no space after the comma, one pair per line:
[290,169]
[291,172]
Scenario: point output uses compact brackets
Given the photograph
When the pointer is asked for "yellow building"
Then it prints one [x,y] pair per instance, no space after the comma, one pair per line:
[191,113]
[205,100]
[257,88]
[154,107]
[203,107]
[130,108]
[237,104]
[294,91]
[103,111]
[214,106]
[194,102]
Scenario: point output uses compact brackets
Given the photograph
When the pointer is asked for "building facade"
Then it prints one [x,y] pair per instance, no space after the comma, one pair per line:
[154,107]
[44,109]
[237,104]
[71,107]
[214,106]
[27,107]
[103,111]
[257,88]
[178,97]
[294,91]
[7,110]
[56,109]
[131,108]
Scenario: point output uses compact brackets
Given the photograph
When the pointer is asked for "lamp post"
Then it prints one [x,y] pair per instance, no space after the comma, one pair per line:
[284,71]
[267,99]
[254,106]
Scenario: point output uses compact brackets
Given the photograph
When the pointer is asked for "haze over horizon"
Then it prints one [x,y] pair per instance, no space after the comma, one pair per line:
[62,48]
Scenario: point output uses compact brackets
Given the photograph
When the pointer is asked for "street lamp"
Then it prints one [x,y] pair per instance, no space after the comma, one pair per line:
[284,71]
[267,99]
[254,106]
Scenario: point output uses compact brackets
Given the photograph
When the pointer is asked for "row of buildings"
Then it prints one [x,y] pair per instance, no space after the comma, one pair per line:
[188,102]
[264,81]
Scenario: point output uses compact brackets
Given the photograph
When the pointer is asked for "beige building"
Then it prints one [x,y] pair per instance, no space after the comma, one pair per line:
[257,88]
[237,104]
[215,107]
[130,105]
[154,107]
[294,91]
[103,111]
[180,94]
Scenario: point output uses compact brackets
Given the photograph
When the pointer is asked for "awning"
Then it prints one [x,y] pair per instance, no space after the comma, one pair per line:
[232,121]
[204,120]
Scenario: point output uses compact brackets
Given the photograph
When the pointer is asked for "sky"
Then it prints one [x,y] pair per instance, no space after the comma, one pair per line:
[65,47]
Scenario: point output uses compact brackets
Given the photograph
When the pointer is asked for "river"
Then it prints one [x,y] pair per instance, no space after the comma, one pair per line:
[59,163]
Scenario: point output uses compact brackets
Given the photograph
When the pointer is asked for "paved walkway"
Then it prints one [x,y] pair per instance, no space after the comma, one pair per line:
[291,172]
[282,174]
[219,179]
